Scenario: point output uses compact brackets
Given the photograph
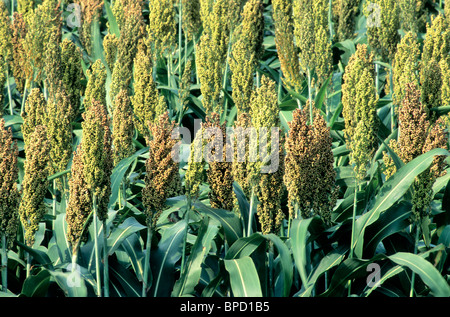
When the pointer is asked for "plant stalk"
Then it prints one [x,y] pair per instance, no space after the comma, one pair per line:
[353,228]
[11,108]
[147,261]
[413,276]
[310,98]
[4,264]
[105,260]
[97,250]
[354,218]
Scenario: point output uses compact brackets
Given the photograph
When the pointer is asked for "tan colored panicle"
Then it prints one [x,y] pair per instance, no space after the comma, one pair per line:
[309,167]
[80,203]
[162,179]
[9,193]
[219,173]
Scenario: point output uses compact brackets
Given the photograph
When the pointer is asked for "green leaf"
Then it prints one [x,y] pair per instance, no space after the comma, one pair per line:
[244,278]
[72,283]
[347,270]
[287,270]
[38,255]
[191,273]
[444,238]
[427,272]
[395,219]
[320,97]
[113,26]
[12,119]
[326,263]
[164,258]
[118,174]
[36,285]
[244,246]
[228,219]
[391,191]
[133,248]
[299,236]
[129,283]
[123,231]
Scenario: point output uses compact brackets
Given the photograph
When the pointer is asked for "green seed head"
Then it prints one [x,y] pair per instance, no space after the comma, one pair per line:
[95,89]
[284,41]
[123,128]
[146,101]
[35,183]
[97,155]
[359,109]
[382,32]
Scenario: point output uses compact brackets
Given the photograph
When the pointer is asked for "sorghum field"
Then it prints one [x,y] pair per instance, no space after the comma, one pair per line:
[225,148]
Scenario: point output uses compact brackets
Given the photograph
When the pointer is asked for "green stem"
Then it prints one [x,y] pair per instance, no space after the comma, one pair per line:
[186,216]
[28,269]
[4,264]
[54,203]
[270,268]
[11,110]
[250,216]
[22,107]
[197,81]
[105,260]
[310,98]
[180,41]
[353,218]
[353,228]
[96,246]
[147,261]
[413,277]
[393,104]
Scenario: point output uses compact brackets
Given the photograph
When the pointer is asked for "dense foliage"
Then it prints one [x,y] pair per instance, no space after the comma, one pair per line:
[127,169]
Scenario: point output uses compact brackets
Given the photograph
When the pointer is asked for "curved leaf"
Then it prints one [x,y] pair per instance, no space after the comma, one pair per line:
[123,231]
[391,191]
[228,219]
[190,275]
[244,278]
[428,273]
[299,236]
[163,260]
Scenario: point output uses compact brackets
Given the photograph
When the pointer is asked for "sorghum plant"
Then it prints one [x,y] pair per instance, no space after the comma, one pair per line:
[344,16]
[382,34]
[146,100]
[35,184]
[405,65]
[9,197]
[309,168]
[359,109]
[245,53]
[284,40]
